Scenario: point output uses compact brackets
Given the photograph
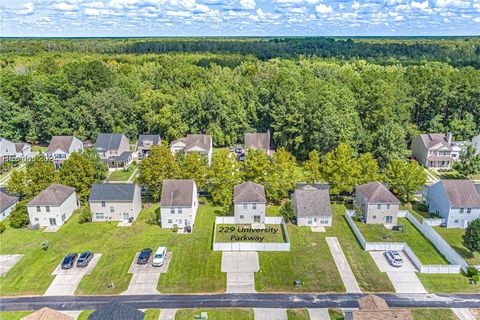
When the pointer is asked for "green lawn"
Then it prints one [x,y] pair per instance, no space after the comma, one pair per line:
[419,210]
[14,315]
[152,314]
[298,314]
[84,315]
[447,283]
[433,314]
[421,246]
[335,314]
[216,314]
[122,175]
[273,233]
[454,237]
[273,211]
[39,148]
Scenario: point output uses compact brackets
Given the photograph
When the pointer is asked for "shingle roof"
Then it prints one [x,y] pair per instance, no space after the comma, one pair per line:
[62,143]
[249,192]
[257,141]
[372,302]
[47,314]
[116,311]
[108,141]
[155,138]
[6,201]
[53,195]
[477,186]
[112,192]
[202,141]
[431,139]
[20,146]
[376,192]
[461,193]
[177,193]
[312,201]
[121,158]
[391,314]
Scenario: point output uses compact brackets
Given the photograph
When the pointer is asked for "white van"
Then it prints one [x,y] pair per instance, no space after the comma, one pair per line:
[159,257]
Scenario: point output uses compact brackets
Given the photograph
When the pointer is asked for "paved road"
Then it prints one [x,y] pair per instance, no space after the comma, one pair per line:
[245,300]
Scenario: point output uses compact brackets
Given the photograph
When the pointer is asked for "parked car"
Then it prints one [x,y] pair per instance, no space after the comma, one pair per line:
[69,261]
[159,257]
[394,258]
[84,259]
[144,256]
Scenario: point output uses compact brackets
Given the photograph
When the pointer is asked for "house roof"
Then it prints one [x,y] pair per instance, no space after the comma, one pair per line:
[391,314]
[53,195]
[249,192]
[376,192]
[47,314]
[112,192]
[20,146]
[477,187]
[431,139]
[372,302]
[312,200]
[121,158]
[6,201]
[433,157]
[461,193]
[62,143]
[155,138]
[108,141]
[177,193]
[201,141]
[116,311]
[257,141]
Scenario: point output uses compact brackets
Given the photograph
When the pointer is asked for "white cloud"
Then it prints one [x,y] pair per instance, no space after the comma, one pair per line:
[248,4]
[477,20]
[420,5]
[452,3]
[356,5]
[63,6]
[322,8]
[26,8]
[296,1]
[95,4]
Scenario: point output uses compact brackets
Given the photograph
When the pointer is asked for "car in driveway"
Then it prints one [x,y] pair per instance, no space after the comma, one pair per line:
[159,257]
[69,261]
[84,259]
[144,256]
[394,258]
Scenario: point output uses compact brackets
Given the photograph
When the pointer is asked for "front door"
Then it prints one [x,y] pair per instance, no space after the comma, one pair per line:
[315,222]
[53,222]
[389,219]
[125,216]
[256,219]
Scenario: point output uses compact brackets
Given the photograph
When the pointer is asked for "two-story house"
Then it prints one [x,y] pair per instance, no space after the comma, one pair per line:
[7,150]
[311,205]
[200,143]
[145,143]
[178,203]
[259,141]
[376,203]
[115,202]
[7,204]
[476,144]
[249,202]
[61,147]
[434,150]
[22,150]
[456,201]
[53,206]
[114,150]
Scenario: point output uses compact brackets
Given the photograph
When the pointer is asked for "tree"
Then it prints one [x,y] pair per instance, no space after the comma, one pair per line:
[368,167]
[340,169]
[224,175]
[405,178]
[40,174]
[78,172]
[19,216]
[471,238]
[17,183]
[469,163]
[100,169]
[255,167]
[282,176]
[194,166]
[312,168]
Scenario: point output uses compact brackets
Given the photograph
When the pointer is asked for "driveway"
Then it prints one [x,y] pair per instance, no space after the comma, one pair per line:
[349,281]
[270,314]
[318,314]
[240,268]
[8,261]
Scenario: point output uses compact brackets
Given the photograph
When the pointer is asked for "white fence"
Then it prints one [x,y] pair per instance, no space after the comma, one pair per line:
[433,222]
[382,246]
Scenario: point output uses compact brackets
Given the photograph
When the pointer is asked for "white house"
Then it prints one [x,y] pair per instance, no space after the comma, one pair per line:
[61,147]
[53,206]
[115,201]
[249,202]
[476,143]
[7,150]
[7,204]
[200,143]
[456,201]
[179,203]
[311,205]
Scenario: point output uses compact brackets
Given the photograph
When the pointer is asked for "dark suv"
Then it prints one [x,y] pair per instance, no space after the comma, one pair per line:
[69,260]
[144,256]
[84,259]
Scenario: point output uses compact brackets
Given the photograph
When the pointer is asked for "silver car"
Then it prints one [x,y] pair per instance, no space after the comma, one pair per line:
[394,258]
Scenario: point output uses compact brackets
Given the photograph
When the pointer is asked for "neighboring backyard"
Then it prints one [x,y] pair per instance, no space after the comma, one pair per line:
[122,175]
[454,237]
[272,233]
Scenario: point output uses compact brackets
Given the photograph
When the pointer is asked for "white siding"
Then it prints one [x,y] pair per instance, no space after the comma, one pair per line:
[244,212]
[476,143]
[314,222]
[117,210]
[186,218]
[56,212]
[5,213]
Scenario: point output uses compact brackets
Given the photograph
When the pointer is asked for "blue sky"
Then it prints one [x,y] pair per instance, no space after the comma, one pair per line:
[238,17]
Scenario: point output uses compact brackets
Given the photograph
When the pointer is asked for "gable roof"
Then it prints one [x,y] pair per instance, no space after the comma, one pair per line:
[116,311]
[112,192]
[53,195]
[108,141]
[47,314]
[461,193]
[249,192]
[201,141]
[257,141]
[21,146]
[376,192]
[372,302]
[62,143]
[177,193]
[312,200]
[431,139]
[155,138]
[6,201]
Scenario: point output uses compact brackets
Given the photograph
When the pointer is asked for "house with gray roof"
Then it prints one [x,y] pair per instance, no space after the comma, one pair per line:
[145,143]
[249,203]
[7,150]
[311,205]
[178,203]
[259,141]
[115,202]
[53,206]
[435,150]
[200,143]
[116,310]
[7,204]
[114,150]
[61,147]
[22,150]
[376,203]
[456,201]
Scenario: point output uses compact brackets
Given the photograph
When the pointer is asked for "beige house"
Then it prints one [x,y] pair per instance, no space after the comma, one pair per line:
[376,203]
[311,205]
[435,150]
[115,202]
[259,141]
[114,149]
[145,143]
[47,314]
[179,203]
[200,143]
[61,147]
[249,203]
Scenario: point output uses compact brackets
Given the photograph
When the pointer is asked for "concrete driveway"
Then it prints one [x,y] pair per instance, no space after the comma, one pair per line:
[348,278]
[240,268]
[270,314]
[8,261]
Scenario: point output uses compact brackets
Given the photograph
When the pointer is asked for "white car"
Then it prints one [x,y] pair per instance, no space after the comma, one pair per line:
[159,257]
[394,258]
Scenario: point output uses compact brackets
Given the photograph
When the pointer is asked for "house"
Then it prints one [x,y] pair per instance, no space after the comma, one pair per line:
[249,202]
[259,141]
[372,307]
[435,150]
[201,143]
[376,203]
[61,147]
[456,201]
[116,311]
[311,205]
[476,144]
[7,150]
[145,143]
[53,206]
[115,201]
[114,149]
[22,150]
[178,203]
[7,204]
[47,314]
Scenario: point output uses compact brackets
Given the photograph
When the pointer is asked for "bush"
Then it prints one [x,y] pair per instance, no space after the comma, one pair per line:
[153,217]
[287,211]
[85,214]
[19,216]
[2,227]
[471,272]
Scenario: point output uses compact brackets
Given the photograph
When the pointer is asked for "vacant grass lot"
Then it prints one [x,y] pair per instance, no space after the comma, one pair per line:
[122,175]
[447,283]
[14,315]
[423,248]
[273,233]
[454,237]
[216,314]
[298,314]
[433,314]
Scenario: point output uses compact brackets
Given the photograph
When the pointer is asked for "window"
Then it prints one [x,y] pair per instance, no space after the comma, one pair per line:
[112,209]
[38,208]
[244,206]
[456,221]
[241,217]
[469,210]
[254,206]
[47,208]
[64,217]
[379,206]
[99,216]
[172,210]
[374,217]
[169,220]
[180,210]
[36,219]
[388,206]
[103,204]
[462,210]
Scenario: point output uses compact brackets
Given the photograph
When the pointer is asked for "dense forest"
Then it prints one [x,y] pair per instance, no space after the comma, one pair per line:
[309,94]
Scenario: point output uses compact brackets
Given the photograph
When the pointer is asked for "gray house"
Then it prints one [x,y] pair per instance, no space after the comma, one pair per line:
[311,205]
[114,149]
[249,202]
[435,150]
[145,143]
[115,202]
[376,203]
[116,310]
[259,141]
[7,204]
[7,150]
[457,201]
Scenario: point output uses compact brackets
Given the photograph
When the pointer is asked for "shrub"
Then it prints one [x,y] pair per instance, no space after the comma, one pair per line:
[153,217]
[85,214]
[19,216]
[471,272]
[2,227]
[287,211]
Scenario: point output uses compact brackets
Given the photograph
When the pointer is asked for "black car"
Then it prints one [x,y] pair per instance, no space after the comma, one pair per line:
[84,259]
[144,256]
[69,260]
